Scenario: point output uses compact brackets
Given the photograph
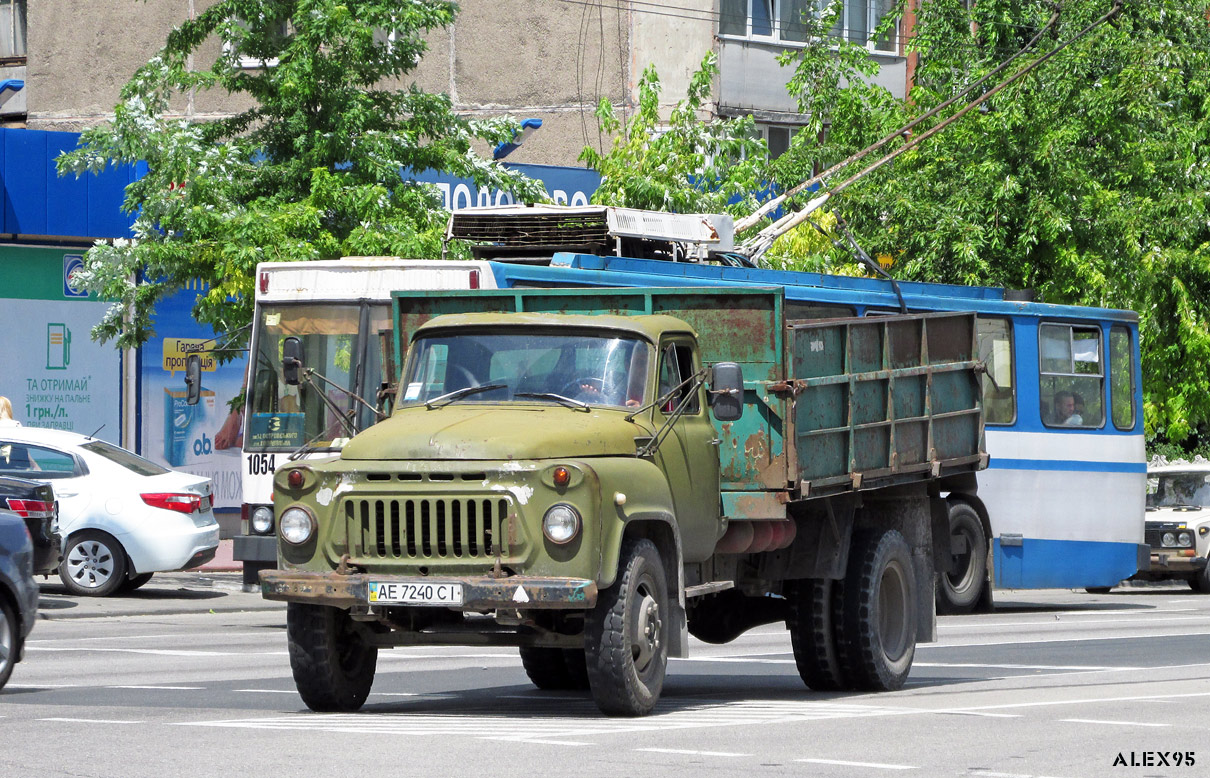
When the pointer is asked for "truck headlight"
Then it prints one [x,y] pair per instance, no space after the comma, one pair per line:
[1168,539]
[297,526]
[1185,539]
[561,523]
[262,520]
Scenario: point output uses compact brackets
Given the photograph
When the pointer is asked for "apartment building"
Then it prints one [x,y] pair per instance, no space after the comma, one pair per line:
[62,64]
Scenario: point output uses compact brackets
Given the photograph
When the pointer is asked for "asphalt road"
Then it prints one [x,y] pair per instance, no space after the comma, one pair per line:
[190,677]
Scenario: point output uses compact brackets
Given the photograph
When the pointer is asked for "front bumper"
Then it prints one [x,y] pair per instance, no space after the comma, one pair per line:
[255,548]
[1168,564]
[516,592]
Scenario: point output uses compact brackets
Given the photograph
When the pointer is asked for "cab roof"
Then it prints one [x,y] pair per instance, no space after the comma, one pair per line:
[647,326]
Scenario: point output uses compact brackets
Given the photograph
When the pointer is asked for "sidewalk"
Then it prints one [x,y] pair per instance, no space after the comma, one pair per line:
[195,591]
[223,560]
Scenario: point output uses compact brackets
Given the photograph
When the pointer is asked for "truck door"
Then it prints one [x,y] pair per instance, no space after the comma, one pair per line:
[687,455]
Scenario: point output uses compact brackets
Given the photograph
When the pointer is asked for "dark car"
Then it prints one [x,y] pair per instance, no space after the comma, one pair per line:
[35,502]
[18,591]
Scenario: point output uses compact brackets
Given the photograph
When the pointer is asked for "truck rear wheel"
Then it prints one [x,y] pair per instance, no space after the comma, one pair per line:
[879,611]
[813,634]
[555,669]
[959,591]
[626,634]
[332,663]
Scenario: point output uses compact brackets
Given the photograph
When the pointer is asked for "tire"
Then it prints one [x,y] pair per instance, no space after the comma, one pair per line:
[626,634]
[137,582]
[813,635]
[1201,581]
[959,592]
[577,668]
[546,668]
[333,665]
[10,632]
[1098,589]
[94,564]
[879,612]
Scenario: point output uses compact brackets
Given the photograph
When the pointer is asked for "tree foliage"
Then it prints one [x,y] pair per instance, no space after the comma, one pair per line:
[687,164]
[310,169]
[1086,181]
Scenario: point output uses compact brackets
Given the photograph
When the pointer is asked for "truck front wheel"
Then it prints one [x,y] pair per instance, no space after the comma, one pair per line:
[555,669]
[626,634]
[332,663]
[879,611]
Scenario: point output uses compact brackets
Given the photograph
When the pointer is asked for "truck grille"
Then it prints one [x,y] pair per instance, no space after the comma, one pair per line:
[427,528]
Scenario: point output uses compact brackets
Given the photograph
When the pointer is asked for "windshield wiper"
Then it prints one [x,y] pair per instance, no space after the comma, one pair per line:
[569,402]
[458,394]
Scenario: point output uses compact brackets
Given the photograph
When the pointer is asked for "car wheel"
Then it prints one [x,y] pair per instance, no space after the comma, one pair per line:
[130,584]
[8,641]
[1200,582]
[879,612]
[545,667]
[94,564]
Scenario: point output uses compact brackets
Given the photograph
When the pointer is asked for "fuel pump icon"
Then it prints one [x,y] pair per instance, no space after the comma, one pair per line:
[58,346]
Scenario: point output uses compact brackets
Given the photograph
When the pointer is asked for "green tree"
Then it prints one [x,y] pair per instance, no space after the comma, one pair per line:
[688,164]
[1086,181]
[311,169]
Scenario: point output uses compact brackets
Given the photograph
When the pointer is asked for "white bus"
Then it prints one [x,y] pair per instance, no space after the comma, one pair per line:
[340,311]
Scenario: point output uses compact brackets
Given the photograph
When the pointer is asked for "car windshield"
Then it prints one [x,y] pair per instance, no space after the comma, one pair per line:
[120,456]
[286,417]
[1166,490]
[587,368]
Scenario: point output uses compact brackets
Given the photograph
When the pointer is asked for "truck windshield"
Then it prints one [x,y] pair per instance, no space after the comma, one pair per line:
[284,417]
[589,368]
[1169,490]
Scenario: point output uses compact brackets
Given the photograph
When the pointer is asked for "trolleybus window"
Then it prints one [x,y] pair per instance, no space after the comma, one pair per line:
[1071,379]
[999,389]
[1121,378]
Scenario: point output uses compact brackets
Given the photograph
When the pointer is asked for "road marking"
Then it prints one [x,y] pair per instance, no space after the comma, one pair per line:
[266,691]
[1022,667]
[164,688]
[37,686]
[686,752]
[148,651]
[1033,641]
[874,765]
[1070,621]
[1045,703]
[743,659]
[1116,723]
[538,741]
[978,713]
[93,721]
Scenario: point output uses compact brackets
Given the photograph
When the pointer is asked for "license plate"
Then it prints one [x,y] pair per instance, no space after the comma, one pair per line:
[416,593]
[205,506]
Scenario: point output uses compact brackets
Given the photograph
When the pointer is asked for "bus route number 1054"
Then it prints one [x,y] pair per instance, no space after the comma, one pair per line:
[261,464]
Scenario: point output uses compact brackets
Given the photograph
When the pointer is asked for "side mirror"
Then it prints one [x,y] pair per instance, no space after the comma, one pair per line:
[727,391]
[193,379]
[291,359]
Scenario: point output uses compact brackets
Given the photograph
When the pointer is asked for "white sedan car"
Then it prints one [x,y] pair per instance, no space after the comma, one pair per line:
[122,517]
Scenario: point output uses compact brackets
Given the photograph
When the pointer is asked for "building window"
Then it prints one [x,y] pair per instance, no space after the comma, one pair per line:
[781,20]
[249,61]
[12,29]
[1071,378]
[777,137]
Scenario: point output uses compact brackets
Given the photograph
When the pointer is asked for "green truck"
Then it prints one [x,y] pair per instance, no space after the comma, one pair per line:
[594,475]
